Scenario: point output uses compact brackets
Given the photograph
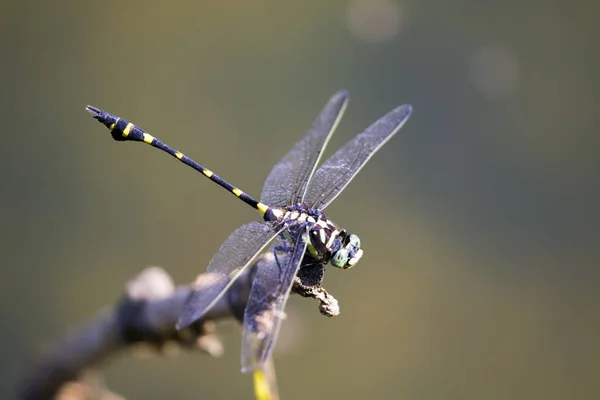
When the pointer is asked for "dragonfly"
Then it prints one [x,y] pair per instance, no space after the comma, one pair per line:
[294,228]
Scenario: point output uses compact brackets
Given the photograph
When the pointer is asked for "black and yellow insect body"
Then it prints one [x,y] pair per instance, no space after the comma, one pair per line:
[325,241]
[295,227]
[122,130]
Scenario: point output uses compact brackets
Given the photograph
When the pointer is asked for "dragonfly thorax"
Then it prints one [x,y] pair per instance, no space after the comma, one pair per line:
[326,242]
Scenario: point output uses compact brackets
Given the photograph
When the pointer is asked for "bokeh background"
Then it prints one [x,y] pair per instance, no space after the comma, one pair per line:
[479,220]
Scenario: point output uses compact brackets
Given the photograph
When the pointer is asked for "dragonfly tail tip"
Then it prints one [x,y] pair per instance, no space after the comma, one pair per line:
[93,110]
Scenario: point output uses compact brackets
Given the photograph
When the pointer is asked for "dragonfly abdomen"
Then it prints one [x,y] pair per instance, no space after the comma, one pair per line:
[122,130]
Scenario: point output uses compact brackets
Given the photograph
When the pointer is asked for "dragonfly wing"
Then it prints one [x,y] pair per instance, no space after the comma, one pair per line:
[233,257]
[288,180]
[337,172]
[265,308]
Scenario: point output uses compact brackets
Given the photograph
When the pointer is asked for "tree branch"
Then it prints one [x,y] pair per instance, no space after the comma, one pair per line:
[145,315]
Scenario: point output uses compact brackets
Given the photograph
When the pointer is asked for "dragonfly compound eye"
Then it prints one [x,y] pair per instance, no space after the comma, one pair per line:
[352,248]
[354,241]
[354,257]
[340,258]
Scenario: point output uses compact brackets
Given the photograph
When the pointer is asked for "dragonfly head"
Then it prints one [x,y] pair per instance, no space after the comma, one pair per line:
[349,253]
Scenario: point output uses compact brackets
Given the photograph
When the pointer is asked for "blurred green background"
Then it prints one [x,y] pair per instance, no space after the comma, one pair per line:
[479,221]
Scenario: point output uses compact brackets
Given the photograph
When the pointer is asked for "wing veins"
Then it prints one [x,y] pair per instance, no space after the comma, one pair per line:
[228,264]
[339,170]
[266,311]
[288,180]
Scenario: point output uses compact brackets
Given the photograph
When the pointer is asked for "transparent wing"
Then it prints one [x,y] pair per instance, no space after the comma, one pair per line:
[335,174]
[269,293]
[233,257]
[288,180]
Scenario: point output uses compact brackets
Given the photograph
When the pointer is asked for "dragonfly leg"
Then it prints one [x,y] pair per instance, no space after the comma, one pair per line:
[276,249]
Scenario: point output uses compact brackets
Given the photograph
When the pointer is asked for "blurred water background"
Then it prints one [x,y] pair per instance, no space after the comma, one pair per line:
[479,220]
